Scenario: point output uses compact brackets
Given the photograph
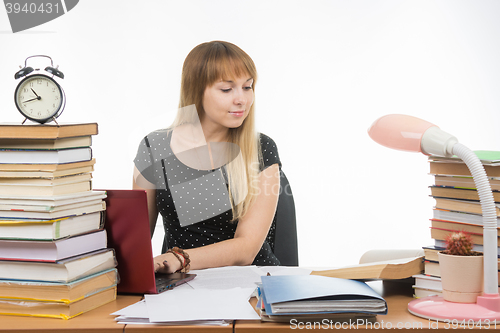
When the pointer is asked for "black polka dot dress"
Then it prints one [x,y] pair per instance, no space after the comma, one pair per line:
[202,212]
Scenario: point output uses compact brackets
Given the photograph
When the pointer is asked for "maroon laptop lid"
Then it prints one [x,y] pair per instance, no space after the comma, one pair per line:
[127,225]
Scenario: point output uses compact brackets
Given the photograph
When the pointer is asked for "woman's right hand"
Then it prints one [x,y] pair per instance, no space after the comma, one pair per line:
[166,263]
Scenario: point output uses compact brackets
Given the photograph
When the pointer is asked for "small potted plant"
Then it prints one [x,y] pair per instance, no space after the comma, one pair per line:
[461,269]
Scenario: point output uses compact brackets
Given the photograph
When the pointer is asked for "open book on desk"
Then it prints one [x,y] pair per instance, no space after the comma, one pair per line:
[381,264]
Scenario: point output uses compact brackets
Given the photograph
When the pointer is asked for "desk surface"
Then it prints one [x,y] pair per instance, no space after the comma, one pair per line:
[100,320]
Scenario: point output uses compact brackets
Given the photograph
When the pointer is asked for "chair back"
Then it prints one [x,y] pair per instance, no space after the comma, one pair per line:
[285,240]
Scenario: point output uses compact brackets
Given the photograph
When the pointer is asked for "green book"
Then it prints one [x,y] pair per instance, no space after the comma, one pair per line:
[487,157]
[490,156]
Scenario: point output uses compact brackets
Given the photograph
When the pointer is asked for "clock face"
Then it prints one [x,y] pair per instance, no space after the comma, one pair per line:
[38,97]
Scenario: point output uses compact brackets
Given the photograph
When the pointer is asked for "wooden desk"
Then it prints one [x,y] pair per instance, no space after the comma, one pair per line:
[397,296]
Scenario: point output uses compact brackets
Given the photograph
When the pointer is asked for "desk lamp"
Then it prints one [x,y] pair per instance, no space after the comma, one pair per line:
[409,133]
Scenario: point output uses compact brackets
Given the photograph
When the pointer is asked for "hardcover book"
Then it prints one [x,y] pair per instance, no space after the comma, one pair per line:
[459,193]
[42,170]
[39,229]
[73,142]
[86,207]
[58,292]
[53,251]
[44,190]
[59,156]
[60,310]
[465,206]
[46,131]
[65,270]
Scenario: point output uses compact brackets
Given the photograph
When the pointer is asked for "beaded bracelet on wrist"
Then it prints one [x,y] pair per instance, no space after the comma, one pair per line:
[185,261]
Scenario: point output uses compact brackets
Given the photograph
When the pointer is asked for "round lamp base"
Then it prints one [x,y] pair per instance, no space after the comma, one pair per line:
[486,310]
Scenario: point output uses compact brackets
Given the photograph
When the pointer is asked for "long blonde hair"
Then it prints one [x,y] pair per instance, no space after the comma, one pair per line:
[206,64]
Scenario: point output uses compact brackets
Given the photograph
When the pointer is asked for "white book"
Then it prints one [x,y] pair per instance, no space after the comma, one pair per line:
[77,209]
[38,229]
[424,292]
[427,282]
[448,215]
[52,250]
[51,201]
[66,270]
[46,181]
[37,190]
[5,210]
[45,156]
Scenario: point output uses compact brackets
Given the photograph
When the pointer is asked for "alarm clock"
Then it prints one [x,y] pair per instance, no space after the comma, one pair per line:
[39,97]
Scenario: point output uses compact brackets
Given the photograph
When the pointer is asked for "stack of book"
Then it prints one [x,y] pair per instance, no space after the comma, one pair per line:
[309,297]
[54,260]
[457,208]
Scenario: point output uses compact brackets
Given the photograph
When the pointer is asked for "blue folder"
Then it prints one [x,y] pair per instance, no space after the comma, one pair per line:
[295,288]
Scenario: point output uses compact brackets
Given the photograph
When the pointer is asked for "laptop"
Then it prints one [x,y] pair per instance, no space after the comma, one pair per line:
[127,226]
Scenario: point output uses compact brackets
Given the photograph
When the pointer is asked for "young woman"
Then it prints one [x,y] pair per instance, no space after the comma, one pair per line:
[212,177]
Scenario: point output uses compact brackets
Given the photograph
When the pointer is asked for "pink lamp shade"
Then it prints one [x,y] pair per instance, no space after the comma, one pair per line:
[398,131]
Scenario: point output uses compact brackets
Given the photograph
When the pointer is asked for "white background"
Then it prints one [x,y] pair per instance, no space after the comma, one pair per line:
[327,70]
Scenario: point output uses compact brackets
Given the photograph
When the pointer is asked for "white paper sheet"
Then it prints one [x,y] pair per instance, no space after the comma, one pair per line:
[283,270]
[226,277]
[136,310]
[215,294]
[145,321]
[201,304]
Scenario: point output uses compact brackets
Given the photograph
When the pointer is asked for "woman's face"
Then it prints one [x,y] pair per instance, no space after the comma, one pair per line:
[227,103]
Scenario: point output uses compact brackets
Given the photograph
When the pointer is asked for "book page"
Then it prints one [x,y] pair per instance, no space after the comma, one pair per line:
[389,254]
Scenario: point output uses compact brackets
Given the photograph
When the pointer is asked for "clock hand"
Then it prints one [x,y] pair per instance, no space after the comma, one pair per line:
[35,93]
[33,99]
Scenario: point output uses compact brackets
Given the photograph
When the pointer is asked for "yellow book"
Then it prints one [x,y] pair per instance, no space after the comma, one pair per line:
[60,310]
[58,292]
